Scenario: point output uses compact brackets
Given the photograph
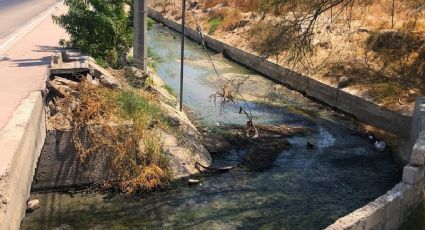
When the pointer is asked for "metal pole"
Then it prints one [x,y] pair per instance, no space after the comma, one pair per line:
[182,53]
[140,27]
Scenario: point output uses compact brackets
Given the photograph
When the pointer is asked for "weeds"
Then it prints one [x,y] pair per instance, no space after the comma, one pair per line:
[169,90]
[153,59]
[214,24]
[122,124]
[151,23]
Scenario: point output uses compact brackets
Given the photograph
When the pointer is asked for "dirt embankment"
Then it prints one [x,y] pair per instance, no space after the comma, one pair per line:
[361,49]
[117,128]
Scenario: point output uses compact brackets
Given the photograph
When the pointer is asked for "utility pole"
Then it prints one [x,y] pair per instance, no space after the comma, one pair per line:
[182,53]
[140,27]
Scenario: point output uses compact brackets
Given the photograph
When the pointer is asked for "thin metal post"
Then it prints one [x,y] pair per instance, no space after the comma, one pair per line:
[140,27]
[182,53]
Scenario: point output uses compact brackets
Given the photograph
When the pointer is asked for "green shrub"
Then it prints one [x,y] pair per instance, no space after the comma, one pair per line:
[99,28]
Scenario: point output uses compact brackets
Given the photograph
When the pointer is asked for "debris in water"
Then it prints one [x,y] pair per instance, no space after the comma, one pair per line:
[33,205]
[380,146]
[310,145]
[213,170]
[251,130]
[193,181]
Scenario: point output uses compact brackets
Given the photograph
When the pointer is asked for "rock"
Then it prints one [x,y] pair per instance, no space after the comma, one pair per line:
[343,82]
[135,77]
[61,86]
[59,122]
[108,82]
[33,205]
[105,78]
[277,87]
[184,154]
[52,108]
[131,72]
[89,78]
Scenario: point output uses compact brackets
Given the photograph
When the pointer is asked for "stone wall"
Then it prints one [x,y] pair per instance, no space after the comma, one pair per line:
[391,209]
[364,110]
[21,141]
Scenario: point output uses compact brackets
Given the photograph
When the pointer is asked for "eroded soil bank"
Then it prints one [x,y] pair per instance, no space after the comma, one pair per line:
[298,186]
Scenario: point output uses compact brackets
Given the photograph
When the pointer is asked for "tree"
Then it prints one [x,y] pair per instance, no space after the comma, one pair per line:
[100,28]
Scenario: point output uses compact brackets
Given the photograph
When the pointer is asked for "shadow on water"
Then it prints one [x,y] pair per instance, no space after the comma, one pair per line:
[283,188]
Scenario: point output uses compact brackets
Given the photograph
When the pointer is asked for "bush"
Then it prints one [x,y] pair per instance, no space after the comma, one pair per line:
[99,28]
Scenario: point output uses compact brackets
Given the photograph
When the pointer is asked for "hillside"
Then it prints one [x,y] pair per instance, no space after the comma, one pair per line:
[380,50]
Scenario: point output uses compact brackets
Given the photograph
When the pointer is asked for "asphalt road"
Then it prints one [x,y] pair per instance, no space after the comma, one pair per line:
[16,13]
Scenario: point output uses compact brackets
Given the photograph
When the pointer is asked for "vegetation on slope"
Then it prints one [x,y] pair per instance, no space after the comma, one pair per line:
[379,45]
[123,124]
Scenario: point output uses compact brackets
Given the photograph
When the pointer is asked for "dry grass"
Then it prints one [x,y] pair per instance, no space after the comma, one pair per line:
[244,5]
[226,19]
[122,124]
[341,36]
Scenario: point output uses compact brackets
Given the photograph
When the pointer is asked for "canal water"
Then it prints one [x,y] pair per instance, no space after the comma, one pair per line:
[302,188]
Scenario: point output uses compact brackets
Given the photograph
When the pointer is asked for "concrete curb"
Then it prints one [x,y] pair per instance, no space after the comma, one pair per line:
[21,141]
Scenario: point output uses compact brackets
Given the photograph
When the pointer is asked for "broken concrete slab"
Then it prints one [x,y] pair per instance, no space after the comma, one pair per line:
[74,63]
[59,66]
[105,78]
[61,86]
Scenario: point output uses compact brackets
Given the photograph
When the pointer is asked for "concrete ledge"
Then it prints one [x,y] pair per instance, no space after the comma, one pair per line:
[21,141]
[418,152]
[412,174]
[386,212]
[364,110]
